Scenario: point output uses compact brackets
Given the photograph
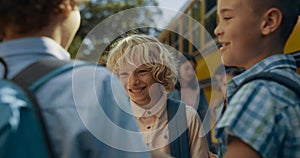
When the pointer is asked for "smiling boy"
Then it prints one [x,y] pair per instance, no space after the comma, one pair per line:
[148,71]
[262,117]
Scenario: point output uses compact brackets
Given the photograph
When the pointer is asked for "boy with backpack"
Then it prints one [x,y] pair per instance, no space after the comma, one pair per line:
[262,116]
[83,115]
[148,72]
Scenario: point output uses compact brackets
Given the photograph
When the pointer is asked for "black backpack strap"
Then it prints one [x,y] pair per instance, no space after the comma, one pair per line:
[294,86]
[296,56]
[4,67]
[176,124]
[31,74]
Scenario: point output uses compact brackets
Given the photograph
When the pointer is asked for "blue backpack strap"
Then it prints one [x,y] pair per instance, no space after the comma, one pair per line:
[42,70]
[294,86]
[176,123]
[35,75]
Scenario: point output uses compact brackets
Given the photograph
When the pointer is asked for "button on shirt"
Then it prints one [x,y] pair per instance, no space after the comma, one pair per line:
[263,114]
[153,124]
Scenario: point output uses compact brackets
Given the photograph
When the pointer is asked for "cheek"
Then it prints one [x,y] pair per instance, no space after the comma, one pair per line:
[181,72]
[76,19]
[152,82]
[183,76]
[239,43]
[191,73]
[245,35]
[124,81]
[184,73]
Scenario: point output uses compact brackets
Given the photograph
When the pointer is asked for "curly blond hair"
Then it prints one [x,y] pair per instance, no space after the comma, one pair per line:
[137,50]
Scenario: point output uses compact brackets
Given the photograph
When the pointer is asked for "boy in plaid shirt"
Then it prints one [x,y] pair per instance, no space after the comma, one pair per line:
[262,119]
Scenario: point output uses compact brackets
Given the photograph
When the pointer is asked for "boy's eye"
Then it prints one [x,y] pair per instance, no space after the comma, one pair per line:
[143,71]
[227,18]
[123,74]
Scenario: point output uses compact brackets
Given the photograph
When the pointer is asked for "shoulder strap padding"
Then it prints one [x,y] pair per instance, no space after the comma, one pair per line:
[42,70]
[177,123]
[296,56]
[280,79]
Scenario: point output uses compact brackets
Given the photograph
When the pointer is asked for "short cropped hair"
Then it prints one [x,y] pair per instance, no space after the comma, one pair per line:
[290,10]
[28,15]
[137,50]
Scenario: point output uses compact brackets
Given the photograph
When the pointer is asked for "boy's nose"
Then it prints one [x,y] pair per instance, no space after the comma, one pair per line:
[134,79]
[218,31]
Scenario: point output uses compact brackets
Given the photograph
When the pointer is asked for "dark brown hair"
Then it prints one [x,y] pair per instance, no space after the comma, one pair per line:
[28,15]
[290,12]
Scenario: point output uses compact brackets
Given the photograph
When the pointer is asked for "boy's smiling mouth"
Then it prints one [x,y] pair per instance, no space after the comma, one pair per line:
[223,45]
[137,90]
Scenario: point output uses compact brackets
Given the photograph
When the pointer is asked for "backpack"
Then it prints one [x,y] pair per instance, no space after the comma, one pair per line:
[292,85]
[22,128]
[179,144]
[296,56]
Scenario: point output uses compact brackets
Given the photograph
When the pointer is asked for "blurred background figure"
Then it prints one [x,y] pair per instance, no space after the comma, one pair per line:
[223,77]
[188,90]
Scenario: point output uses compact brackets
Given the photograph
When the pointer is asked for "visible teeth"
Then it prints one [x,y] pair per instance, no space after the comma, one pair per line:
[224,44]
[136,91]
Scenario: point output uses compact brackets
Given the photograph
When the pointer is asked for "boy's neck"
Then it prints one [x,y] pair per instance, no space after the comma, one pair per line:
[269,46]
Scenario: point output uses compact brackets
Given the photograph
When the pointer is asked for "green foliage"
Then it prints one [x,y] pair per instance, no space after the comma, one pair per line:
[95,11]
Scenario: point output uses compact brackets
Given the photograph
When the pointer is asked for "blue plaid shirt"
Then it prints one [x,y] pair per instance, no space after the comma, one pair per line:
[263,114]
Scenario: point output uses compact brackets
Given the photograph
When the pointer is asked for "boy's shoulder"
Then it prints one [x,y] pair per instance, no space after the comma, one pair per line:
[266,91]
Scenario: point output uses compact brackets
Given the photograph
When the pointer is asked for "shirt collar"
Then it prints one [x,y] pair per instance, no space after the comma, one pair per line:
[280,61]
[156,110]
[33,45]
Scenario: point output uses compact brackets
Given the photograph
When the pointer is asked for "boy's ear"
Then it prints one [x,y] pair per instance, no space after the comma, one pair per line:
[65,7]
[271,21]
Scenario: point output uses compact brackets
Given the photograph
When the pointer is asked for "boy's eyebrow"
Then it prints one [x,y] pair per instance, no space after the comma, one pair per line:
[225,10]
[123,73]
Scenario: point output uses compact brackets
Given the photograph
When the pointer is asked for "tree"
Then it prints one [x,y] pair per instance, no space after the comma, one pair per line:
[96,11]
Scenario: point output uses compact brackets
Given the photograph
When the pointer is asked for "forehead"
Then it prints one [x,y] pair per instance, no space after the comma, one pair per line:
[131,68]
[188,64]
[132,59]
[232,5]
[128,63]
